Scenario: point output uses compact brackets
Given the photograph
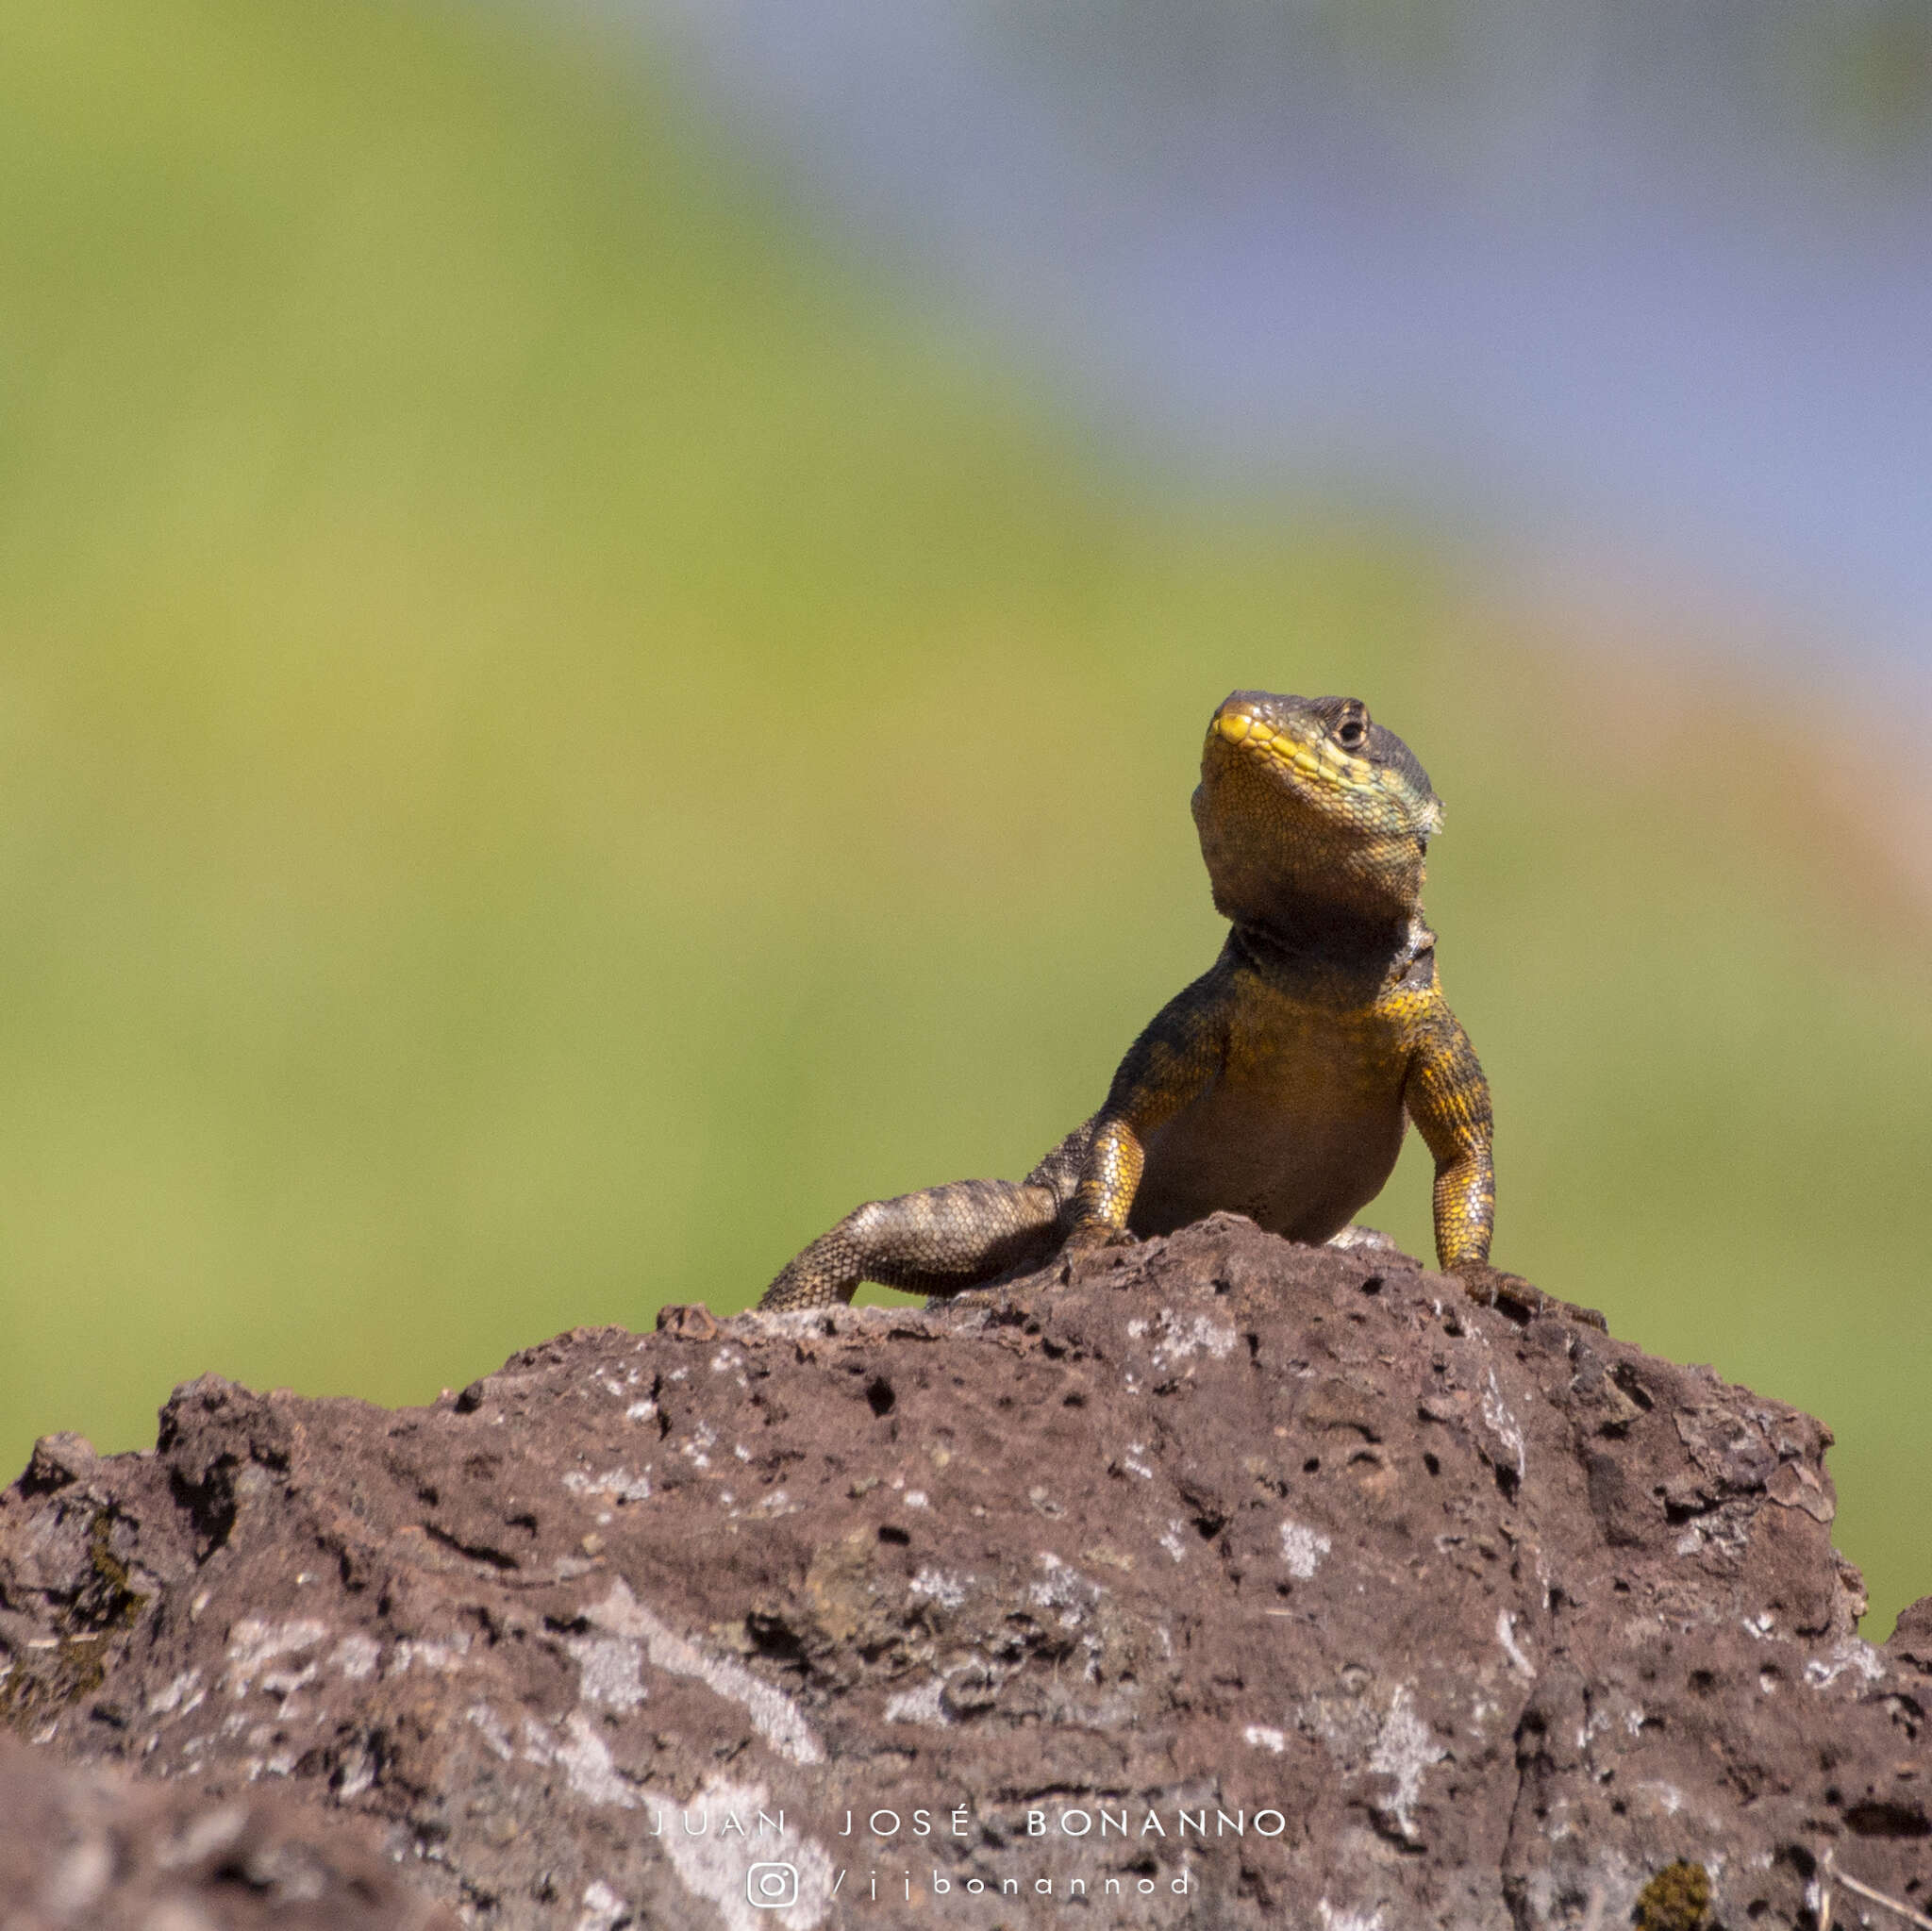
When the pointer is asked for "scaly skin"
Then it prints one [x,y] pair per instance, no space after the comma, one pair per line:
[1279,1084]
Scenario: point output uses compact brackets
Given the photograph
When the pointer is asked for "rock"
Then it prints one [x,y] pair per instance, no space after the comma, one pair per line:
[1237,1582]
[89,1848]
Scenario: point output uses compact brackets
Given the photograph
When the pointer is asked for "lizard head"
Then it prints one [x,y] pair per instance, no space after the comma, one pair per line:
[1305,801]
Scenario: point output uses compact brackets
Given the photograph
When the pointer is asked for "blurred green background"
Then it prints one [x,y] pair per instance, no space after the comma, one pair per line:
[556,737]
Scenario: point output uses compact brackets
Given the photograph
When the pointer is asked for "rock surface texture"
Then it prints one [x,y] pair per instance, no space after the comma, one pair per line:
[89,1847]
[1214,1581]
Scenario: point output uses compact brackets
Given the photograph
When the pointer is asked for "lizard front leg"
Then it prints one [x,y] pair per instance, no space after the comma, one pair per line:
[1168,1066]
[1448,1099]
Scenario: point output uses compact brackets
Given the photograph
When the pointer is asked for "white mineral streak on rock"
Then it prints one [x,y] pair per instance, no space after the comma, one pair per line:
[356,1773]
[1302,1549]
[187,1686]
[608,1670]
[1404,1750]
[1503,1424]
[1848,1653]
[1179,1339]
[1392,1743]
[921,1706]
[357,1656]
[620,1485]
[800,1321]
[495,1732]
[586,1760]
[772,1714]
[603,1910]
[284,1683]
[948,1591]
[1333,1920]
[1065,1590]
[715,1867]
[252,1642]
[440,1658]
[1506,1635]
[1263,1738]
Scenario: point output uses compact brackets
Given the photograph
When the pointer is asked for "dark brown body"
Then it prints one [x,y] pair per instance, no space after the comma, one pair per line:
[1300,1125]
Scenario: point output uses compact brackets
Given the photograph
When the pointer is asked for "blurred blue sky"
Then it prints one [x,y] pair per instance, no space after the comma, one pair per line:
[1641,292]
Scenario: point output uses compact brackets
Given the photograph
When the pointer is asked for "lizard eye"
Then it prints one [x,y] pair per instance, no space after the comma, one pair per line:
[1353,731]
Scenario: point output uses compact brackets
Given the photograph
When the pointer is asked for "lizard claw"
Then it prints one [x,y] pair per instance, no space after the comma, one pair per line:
[689,1321]
[1519,1300]
[1091,1237]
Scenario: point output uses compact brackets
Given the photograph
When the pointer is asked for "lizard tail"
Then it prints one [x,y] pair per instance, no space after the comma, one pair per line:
[939,1241]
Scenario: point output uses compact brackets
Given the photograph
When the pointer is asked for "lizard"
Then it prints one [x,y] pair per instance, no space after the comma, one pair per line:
[1277,1085]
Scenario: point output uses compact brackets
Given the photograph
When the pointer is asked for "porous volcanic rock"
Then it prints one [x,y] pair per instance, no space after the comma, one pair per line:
[1210,1581]
[86,1847]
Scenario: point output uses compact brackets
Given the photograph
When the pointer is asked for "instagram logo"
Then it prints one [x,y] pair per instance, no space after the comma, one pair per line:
[772,1886]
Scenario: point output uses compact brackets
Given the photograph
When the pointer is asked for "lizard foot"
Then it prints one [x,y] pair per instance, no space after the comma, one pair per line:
[1091,1237]
[1518,1300]
[689,1321]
